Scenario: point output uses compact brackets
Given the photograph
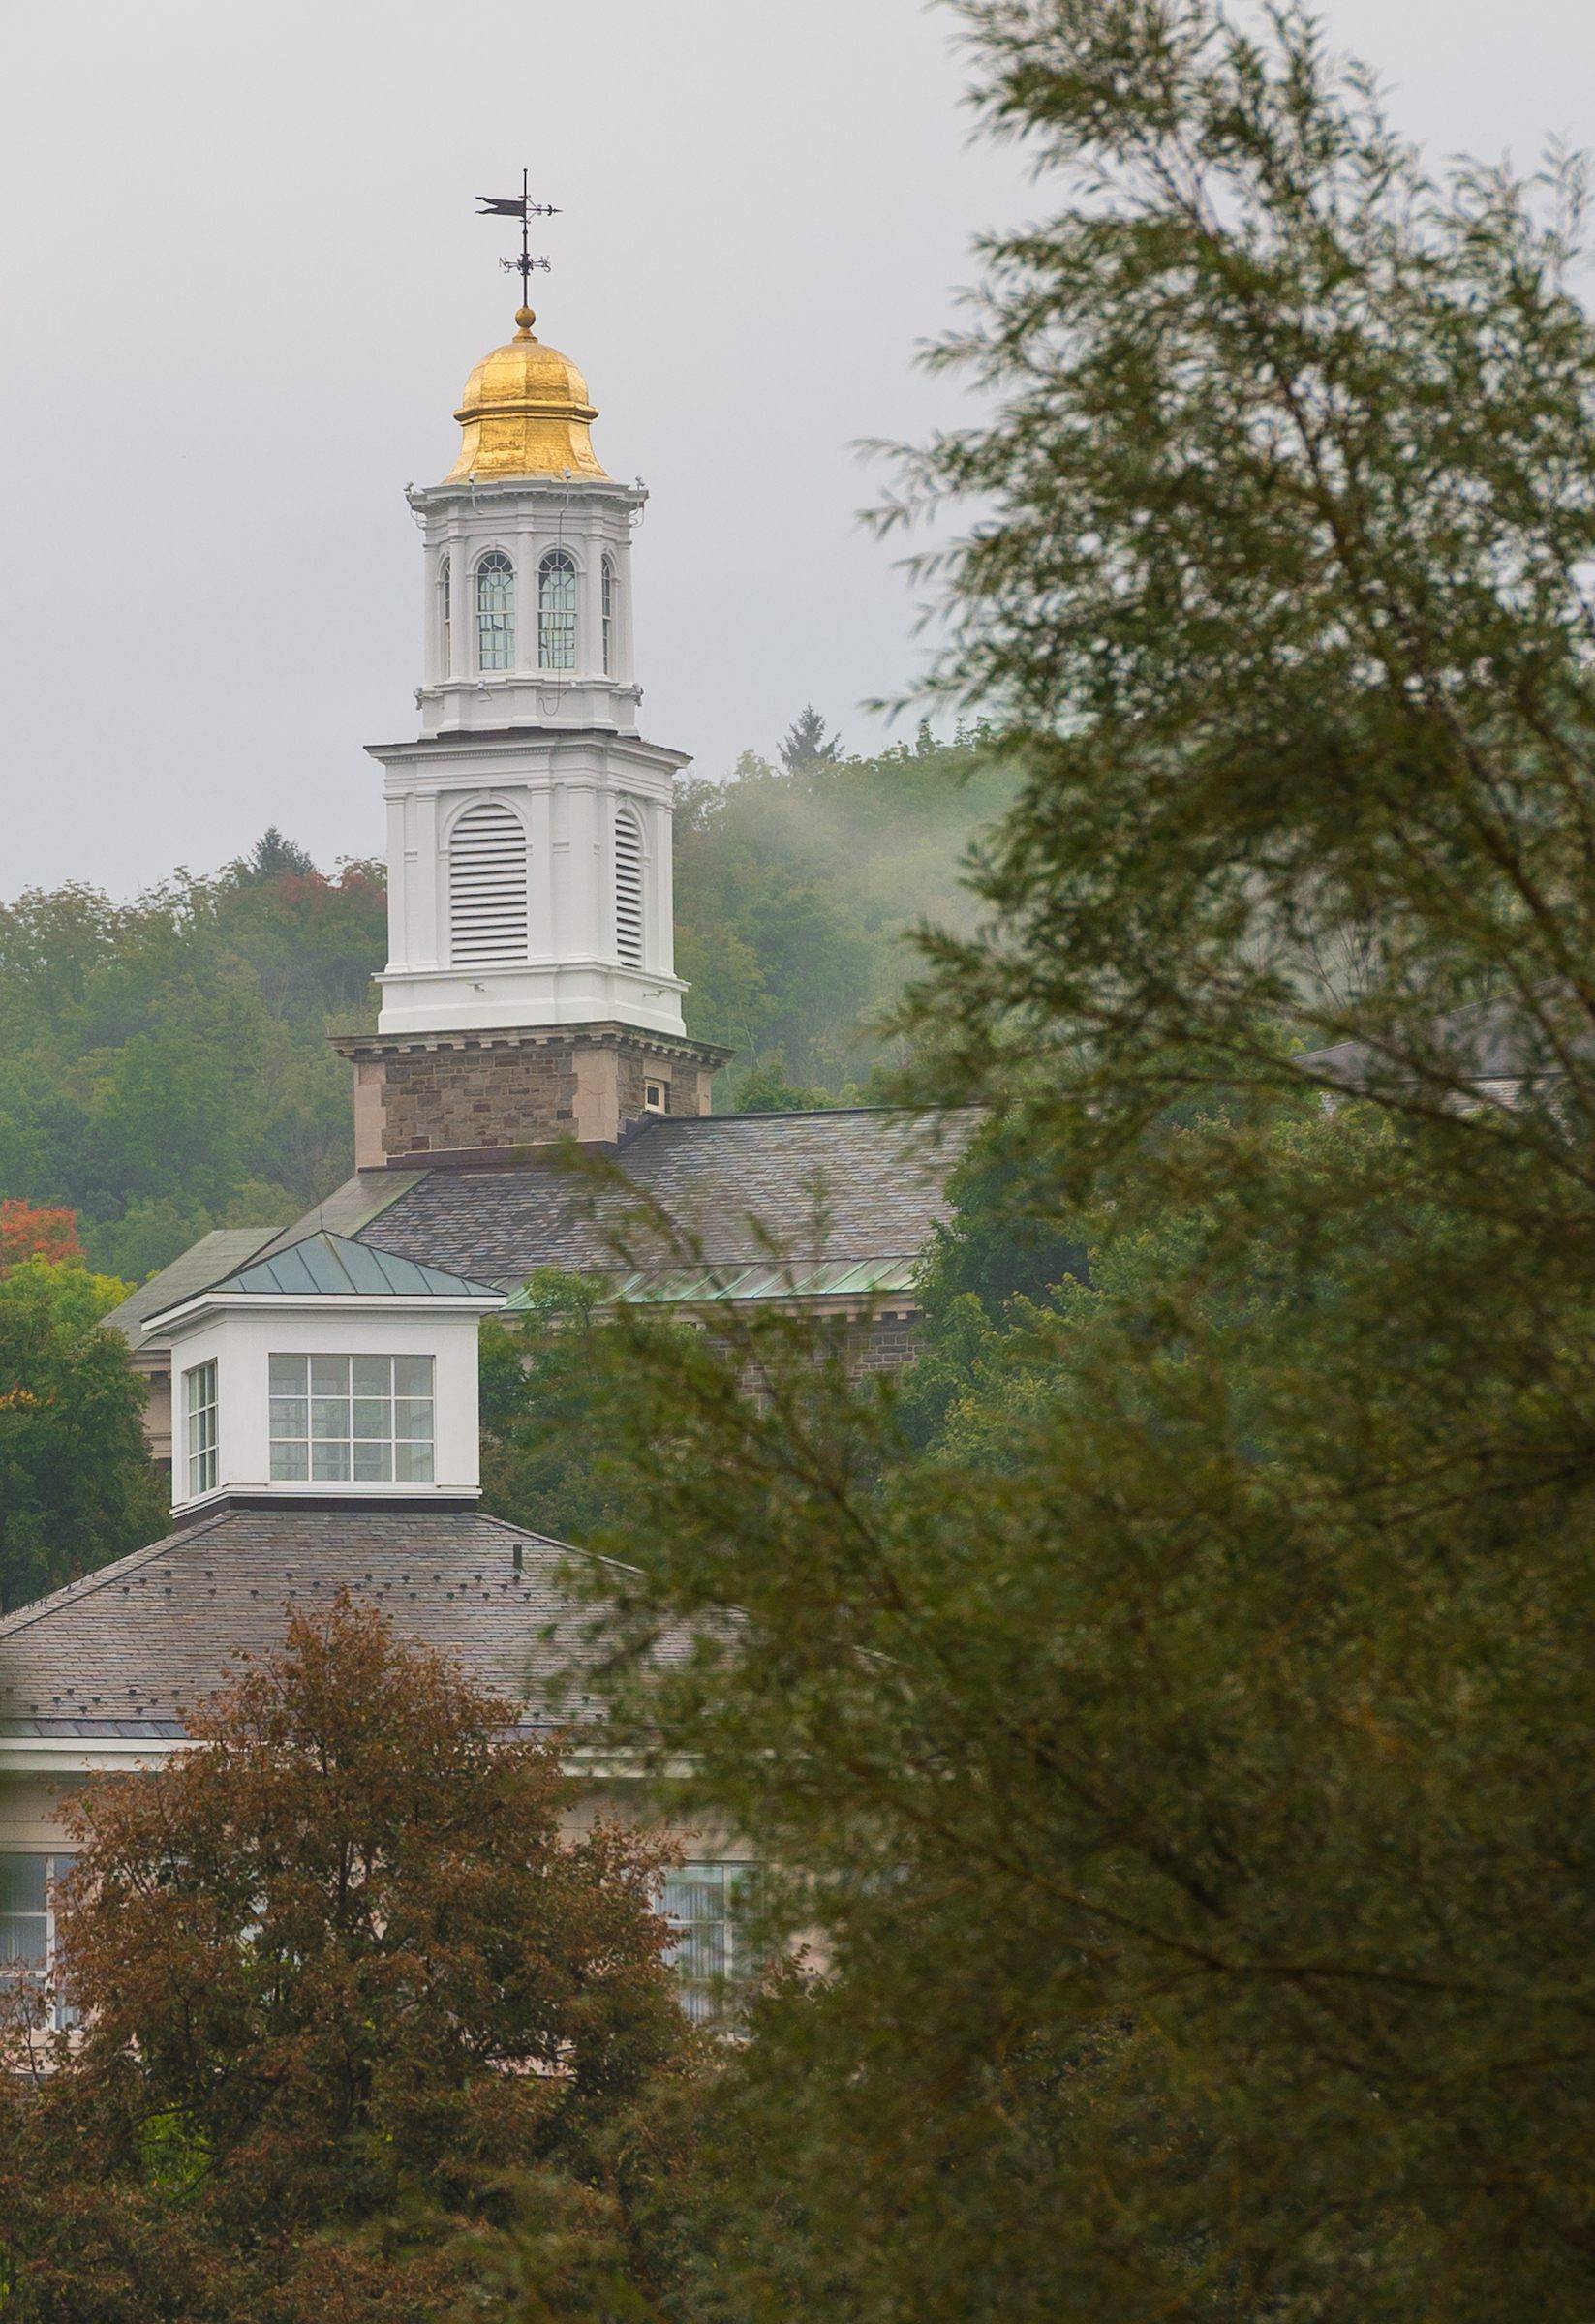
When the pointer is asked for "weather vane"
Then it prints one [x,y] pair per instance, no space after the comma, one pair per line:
[519,205]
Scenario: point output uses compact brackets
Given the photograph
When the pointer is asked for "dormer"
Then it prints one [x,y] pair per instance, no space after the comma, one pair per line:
[327,1373]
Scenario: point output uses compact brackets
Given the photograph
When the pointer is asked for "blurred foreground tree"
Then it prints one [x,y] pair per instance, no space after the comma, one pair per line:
[1181,1730]
[365,2035]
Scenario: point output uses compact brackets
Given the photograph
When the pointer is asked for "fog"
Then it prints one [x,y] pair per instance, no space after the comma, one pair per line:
[244,284]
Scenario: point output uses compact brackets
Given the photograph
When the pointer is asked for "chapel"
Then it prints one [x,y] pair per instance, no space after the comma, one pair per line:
[315,1387]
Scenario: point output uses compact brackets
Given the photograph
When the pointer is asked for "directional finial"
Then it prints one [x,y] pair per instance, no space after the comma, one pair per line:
[520,205]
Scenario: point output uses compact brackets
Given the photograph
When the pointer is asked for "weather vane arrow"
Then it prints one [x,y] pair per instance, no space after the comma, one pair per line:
[519,205]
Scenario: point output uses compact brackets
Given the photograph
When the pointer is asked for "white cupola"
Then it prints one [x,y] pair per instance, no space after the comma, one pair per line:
[529,824]
[325,1372]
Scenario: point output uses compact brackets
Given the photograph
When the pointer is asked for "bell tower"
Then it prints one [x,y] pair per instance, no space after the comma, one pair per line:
[531,989]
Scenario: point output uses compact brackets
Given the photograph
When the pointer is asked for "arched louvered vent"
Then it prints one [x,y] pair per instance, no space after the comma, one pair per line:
[629,889]
[487,886]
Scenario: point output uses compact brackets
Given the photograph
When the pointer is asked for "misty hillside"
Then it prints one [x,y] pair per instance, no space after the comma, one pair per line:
[164,1066]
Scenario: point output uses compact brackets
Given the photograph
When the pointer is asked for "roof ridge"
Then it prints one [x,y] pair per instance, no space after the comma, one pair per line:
[678,1121]
[86,1585]
[551,1541]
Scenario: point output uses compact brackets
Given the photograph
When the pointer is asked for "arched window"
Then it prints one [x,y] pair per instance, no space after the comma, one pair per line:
[445,625]
[606,594]
[557,611]
[488,918]
[628,888]
[494,612]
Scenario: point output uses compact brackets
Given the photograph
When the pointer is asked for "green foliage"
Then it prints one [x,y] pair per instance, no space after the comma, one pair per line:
[163,1067]
[77,1485]
[807,745]
[1172,1707]
[544,1453]
[795,891]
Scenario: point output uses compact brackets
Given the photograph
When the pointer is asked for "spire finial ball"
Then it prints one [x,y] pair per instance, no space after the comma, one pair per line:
[524,319]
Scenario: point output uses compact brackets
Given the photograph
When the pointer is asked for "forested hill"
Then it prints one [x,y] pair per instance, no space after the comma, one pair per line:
[164,1066]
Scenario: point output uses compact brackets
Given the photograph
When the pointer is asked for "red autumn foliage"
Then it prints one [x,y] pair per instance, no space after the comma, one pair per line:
[367,2033]
[28,1230]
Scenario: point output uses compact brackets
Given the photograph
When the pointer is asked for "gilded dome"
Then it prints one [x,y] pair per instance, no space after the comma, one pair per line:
[525,412]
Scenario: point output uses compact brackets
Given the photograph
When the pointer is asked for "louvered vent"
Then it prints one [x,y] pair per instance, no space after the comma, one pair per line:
[487,887]
[629,889]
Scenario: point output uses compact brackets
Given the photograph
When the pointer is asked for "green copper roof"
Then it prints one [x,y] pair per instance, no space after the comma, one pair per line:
[829,1279]
[334,1266]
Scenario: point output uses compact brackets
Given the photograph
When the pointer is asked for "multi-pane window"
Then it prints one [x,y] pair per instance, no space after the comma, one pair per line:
[341,1420]
[713,1955]
[27,1922]
[200,1428]
[557,611]
[445,624]
[606,597]
[494,612]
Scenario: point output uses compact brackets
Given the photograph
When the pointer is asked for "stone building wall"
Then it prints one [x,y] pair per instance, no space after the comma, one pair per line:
[489,1095]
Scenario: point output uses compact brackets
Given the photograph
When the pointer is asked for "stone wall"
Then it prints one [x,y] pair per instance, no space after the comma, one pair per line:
[462,1096]
[462,1099]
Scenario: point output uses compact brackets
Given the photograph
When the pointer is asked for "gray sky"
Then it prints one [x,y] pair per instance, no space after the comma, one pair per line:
[243,287]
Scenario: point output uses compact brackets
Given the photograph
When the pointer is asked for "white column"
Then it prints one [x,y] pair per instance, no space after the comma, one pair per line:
[428,921]
[544,929]
[661,915]
[459,567]
[400,869]
[526,601]
[589,612]
[581,919]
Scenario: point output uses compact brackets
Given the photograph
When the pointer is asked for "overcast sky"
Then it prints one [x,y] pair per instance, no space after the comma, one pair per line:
[243,286]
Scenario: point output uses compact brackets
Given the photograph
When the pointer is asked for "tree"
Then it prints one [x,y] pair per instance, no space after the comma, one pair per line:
[76,1483]
[270,857]
[807,743]
[1181,1739]
[29,1232]
[764,1089]
[542,1409]
[364,2033]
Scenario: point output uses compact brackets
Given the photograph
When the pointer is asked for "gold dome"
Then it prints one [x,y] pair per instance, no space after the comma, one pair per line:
[525,412]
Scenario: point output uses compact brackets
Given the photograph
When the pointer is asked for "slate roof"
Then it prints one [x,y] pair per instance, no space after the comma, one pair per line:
[204,1263]
[126,1650]
[832,1188]
[1491,1043]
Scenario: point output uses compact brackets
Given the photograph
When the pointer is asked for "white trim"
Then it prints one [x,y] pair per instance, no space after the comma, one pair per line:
[330,1303]
[114,1755]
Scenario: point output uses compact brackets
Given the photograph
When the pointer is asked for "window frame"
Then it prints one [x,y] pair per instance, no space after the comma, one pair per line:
[445,618]
[37,1969]
[495,570]
[713,1992]
[608,605]
[559,560]
[332,1454]
[202,1449]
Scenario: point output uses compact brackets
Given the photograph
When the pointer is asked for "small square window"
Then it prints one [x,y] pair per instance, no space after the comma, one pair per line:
[652,1097]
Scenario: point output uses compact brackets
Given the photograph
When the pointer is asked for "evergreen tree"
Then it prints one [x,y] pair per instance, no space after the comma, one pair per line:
[271,856]
[807,743]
